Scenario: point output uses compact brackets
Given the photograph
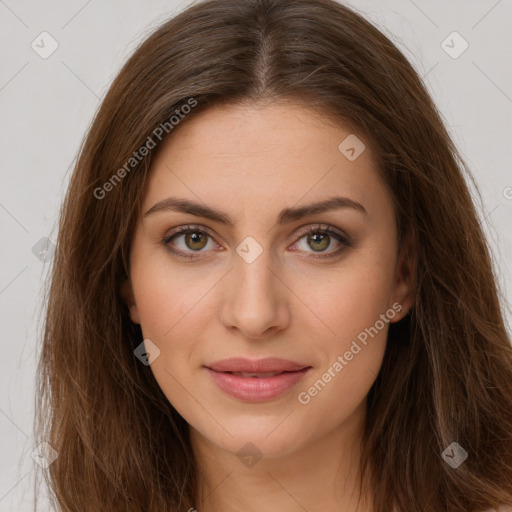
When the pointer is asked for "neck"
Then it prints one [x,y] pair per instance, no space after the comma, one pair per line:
[322,474]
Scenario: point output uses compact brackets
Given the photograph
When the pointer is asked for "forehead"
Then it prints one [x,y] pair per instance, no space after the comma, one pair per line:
[255,156]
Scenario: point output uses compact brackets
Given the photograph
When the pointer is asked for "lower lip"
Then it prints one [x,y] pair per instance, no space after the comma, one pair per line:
[256,389]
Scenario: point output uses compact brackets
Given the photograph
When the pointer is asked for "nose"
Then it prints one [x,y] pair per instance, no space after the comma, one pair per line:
[256,299]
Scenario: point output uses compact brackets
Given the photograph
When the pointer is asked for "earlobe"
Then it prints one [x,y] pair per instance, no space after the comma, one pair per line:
[403,298]
[129,300]
[134,314]
[405,284]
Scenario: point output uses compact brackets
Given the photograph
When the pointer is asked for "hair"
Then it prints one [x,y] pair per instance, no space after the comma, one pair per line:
[447,371]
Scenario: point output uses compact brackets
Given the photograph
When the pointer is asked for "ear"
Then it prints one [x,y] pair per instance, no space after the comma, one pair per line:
[129,300]
[405,277]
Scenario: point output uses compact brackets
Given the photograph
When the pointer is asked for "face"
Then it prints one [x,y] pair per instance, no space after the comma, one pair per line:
[257,272]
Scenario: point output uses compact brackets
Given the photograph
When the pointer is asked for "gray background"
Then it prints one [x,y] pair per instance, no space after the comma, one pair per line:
[47,104]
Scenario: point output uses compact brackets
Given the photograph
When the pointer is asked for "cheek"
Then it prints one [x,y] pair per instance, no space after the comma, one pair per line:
[356,316]
[353,305]
[351,298]
[167,294]
[170,314]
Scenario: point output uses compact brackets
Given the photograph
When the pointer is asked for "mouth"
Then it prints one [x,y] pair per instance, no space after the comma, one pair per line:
[256,375]
[269,365]
[256,381]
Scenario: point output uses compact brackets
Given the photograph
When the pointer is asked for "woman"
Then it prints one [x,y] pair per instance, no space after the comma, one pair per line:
[271,289]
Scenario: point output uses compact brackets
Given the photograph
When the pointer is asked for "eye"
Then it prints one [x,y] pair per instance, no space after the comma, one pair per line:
[194,239]
[320,238]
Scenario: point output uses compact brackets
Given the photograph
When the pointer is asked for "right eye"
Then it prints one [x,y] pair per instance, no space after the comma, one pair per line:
[193,240]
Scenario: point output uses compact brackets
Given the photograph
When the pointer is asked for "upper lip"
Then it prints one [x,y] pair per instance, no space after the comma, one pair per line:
[269,364]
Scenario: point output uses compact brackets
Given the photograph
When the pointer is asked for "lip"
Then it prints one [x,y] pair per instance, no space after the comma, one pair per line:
[256,388]
[269,364]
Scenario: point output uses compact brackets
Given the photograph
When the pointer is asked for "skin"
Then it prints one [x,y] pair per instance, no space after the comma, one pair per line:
[252,161]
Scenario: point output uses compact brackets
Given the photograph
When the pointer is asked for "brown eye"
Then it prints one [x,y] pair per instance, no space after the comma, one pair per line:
[320,238]
[318,241]
[195,240]
[187,240]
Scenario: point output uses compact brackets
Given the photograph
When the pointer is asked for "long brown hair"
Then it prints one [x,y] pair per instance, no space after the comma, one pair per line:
[447,371]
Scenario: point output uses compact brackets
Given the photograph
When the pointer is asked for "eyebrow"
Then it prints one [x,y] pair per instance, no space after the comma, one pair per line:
[286,216]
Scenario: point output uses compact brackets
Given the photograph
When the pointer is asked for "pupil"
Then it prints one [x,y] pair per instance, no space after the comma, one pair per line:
[323,238]
[194,238]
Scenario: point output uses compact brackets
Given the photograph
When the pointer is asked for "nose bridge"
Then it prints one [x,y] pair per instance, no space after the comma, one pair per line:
[254,275]
[256,299]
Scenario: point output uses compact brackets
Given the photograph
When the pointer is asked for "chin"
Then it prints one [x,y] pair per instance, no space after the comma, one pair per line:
[268,437]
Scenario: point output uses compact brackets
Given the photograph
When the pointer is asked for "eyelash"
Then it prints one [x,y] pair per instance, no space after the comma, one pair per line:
[322,229]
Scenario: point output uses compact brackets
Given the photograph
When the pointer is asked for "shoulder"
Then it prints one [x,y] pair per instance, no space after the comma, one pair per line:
[501,509]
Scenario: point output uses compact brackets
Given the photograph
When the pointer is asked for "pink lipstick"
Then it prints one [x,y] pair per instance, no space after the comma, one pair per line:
[256,380]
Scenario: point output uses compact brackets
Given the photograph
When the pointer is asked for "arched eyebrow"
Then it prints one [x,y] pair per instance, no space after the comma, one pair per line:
[286,216]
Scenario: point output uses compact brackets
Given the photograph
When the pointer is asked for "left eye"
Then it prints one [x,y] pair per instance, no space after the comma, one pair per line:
[196,239]
[320,239]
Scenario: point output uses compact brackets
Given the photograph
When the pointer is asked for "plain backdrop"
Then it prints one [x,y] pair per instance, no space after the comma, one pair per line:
[46,105]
